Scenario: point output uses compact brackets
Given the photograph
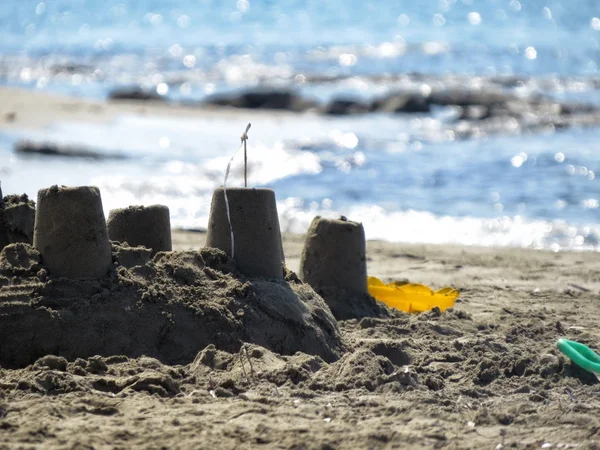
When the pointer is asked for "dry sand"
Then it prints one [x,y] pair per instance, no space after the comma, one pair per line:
[483,375]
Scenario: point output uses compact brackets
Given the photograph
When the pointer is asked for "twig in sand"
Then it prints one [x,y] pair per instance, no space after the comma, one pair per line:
[244,138]
[244,350]
[249,361]
[242,363]
[571,395]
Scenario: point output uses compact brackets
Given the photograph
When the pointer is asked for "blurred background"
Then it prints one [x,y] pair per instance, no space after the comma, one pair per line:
[450,121]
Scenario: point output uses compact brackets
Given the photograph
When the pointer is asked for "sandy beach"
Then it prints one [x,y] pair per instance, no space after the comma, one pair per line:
[485,374]
[482,375]
[171,281]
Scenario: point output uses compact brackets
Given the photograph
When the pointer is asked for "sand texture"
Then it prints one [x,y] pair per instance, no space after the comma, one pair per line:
[334,264]
[17,219]
[70,232]
[147,226]
[251,216]
[483,374]
[169,308]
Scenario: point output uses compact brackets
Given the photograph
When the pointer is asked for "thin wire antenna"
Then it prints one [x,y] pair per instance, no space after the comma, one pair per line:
[244,138]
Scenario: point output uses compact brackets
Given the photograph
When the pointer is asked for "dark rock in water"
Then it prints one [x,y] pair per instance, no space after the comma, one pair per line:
[509,81]
[575,108]
[490,108]
[492,111]
[523,115]
[576,120]
[476,104]
[470,97]
[401,103]
[342,107]
[17,218]
[263,99]
[49,149]
[70,68]
[482,110]
[134,93]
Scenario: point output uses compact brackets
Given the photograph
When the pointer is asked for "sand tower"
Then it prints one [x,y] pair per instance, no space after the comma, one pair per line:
[148,226]
[334,263]
[335,255]
[257,249]
[70,232]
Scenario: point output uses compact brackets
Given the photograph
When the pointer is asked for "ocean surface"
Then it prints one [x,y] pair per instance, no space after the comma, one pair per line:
[405,176]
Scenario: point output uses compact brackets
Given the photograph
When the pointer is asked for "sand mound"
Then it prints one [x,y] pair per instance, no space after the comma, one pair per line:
[167,308]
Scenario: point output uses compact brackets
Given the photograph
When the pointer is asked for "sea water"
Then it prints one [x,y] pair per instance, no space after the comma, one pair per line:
[404,176]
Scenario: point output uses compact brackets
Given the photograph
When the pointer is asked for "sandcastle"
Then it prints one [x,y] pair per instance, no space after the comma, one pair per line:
[335,254]
[334,263]
[70,232]
[75,294]
[249,216]
[147,226]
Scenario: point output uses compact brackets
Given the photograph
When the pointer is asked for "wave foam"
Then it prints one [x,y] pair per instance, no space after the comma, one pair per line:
[424,227]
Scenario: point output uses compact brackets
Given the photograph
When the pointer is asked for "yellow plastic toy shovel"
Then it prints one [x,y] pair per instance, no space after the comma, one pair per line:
[411,298]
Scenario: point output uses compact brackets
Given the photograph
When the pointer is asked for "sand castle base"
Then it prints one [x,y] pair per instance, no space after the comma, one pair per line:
[169,309]
[334,263]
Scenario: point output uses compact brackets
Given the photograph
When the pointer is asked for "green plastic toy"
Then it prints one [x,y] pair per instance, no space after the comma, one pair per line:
[580,354]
